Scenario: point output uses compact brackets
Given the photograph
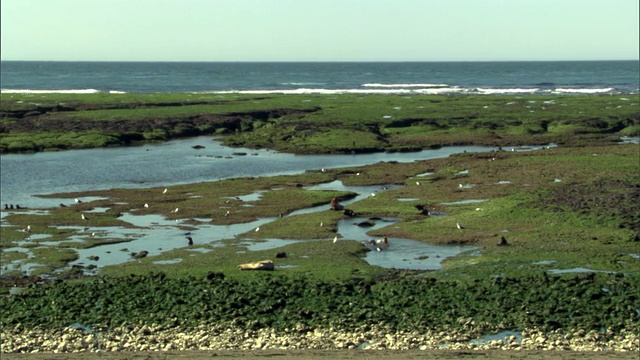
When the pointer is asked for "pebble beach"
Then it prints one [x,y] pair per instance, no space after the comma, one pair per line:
[158,338]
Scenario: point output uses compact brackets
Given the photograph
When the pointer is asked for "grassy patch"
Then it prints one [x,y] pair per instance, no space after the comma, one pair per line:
[312,123]
[564,208]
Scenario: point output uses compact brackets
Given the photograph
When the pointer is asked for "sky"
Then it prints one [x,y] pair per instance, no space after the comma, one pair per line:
[319,30]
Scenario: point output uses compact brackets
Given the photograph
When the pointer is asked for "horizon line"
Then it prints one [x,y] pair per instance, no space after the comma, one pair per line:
[318,61]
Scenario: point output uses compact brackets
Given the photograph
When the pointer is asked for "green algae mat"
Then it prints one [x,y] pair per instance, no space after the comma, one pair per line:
[570,214]
[312,123]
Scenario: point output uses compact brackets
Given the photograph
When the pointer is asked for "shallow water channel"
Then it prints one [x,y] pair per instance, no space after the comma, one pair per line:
[156,234]
[23,176]
[175,162]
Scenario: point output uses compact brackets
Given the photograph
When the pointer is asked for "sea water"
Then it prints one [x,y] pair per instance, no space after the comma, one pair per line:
[520,77]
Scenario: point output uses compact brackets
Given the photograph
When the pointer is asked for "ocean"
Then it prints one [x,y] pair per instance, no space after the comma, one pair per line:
[552,77]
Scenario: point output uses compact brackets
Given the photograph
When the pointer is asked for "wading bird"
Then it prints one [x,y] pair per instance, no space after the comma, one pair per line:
[377,245]
[382,244]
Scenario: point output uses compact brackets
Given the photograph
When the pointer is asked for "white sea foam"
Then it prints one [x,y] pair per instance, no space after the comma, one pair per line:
[582,91]
[448,90]
[30,91]
[398,89]
[406,85]
[507,91]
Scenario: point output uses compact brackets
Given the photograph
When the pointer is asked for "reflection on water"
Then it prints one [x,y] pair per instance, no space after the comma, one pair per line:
[173,162]
[573,270]
[163,262]
[176,162]
[156,234]
[545,262]
[401,253]
[267,244]
[414,255]
[462,202]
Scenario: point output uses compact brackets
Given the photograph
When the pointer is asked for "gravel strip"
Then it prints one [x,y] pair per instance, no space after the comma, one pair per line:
[205,337]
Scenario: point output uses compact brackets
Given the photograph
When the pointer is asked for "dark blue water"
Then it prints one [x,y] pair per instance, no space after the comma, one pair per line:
[326,77]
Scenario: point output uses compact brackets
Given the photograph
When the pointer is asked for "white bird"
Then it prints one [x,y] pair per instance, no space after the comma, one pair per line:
[92,234]
[165,191]
[258,229]
[321,224]
[27,229]
[478,209]
[380,244]
[84,217]
[176,210]
[324,170]
[227,213]
[146,205]
[460,186]
[417,182]
[77,200]
[357,174]
[335,239]
[460,227]
[373,194]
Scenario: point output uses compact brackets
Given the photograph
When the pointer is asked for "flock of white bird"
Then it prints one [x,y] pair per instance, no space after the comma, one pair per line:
[373,244]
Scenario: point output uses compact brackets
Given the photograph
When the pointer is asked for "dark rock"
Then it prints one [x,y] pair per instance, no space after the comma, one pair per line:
[139,255]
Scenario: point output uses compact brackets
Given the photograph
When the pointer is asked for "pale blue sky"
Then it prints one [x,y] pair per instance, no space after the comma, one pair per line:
[319,30]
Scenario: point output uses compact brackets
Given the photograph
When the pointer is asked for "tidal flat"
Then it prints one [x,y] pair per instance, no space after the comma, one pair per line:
[312,124]
[569,214]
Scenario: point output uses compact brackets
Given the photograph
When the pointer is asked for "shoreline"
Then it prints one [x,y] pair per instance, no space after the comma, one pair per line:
[560,209]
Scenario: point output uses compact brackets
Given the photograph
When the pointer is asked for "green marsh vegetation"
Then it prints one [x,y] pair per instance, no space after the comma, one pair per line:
[312,123]
[569,207]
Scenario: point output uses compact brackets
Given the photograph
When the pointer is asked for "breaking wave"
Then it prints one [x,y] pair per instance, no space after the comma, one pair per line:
[32,91]
[407,85]
[399,89]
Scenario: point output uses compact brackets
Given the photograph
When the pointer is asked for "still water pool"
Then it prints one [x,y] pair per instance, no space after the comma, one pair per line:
[177,162]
